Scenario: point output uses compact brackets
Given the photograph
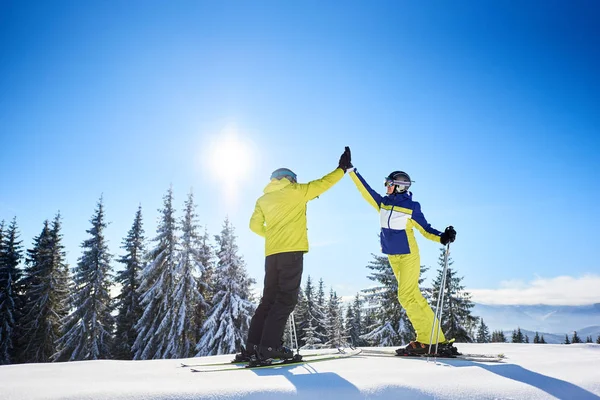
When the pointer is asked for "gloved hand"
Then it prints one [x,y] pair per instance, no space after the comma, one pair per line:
[448,236]
[345,160]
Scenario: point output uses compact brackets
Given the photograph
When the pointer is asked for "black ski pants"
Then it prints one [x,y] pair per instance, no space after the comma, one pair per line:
[283,274]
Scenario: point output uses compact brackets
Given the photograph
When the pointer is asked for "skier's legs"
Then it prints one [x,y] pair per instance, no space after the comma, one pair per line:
[407,269]
[266,302]
[289,267]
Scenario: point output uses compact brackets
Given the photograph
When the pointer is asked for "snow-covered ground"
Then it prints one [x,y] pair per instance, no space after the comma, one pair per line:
[530,371]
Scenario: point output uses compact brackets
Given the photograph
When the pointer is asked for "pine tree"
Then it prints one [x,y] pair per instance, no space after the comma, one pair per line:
[10,273]
[311,341]
[205,282]
[88,329]
[598,340]
[130,309]
[320,310]
[536,338]
[542,341]
[187,297]
[300,317]
[498,337]
[456,310]
[517,336]
[576,338]
[334,322]
[45,286]
[388,327]
[227,324]
[156,288]
[589,339]
[526,339]
[567,341]
[309,336]
[354,322]
[483,333]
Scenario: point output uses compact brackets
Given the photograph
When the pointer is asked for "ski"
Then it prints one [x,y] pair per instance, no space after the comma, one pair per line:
[466,356]
[233,362]
[280,363]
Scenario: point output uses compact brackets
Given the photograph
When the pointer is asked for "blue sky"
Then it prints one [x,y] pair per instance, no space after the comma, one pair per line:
[491,107]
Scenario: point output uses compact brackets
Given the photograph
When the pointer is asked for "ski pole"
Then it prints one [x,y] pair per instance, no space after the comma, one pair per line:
[440,304]
[295,334]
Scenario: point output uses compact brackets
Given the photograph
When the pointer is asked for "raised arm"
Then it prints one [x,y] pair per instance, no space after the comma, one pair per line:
[315,188]
[372,197]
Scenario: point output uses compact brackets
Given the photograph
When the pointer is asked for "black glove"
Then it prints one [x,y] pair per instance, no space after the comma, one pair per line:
[345,160]
[448,236]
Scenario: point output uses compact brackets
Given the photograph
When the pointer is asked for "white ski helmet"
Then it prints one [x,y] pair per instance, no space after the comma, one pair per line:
[400,180]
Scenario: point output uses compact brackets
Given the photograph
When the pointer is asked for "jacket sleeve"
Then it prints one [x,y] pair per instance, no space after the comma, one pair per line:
[317,187]
[423,226]
[257,221]
[372,197]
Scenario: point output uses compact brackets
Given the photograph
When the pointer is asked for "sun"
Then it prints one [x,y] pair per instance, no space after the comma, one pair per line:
[230,158]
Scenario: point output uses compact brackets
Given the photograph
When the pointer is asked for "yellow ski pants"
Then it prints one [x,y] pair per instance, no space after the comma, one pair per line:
[407,269]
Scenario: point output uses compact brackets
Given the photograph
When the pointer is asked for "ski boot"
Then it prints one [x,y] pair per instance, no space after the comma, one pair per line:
[245,353]
[282,353]
[447,349]
[413,349]
[267,354]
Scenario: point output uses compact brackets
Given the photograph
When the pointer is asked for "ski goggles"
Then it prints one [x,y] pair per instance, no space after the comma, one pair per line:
[402,184]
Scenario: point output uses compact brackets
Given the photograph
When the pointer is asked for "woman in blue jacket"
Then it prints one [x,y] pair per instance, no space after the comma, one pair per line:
[399,214]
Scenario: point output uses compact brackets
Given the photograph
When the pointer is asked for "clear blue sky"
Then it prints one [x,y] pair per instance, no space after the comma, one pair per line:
[493,108]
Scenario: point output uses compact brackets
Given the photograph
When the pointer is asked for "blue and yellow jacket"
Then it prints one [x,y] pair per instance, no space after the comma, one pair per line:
[399,214]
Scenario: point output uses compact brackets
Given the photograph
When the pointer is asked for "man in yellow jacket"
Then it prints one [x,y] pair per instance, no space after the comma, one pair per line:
[280,217]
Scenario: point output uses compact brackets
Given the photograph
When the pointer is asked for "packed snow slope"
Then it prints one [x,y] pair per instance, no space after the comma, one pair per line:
[530,371]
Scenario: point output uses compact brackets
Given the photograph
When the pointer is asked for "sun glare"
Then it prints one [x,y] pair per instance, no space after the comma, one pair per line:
[230,158]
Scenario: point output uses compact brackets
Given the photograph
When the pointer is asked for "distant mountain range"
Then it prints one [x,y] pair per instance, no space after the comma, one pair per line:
[553,321]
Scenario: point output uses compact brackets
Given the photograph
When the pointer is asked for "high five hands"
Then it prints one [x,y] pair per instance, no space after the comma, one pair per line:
[345,160]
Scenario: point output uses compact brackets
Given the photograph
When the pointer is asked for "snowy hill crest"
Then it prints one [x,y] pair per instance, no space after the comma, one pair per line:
[529,372]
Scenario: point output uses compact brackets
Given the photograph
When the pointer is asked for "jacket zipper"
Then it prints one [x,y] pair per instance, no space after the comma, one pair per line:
[390,217]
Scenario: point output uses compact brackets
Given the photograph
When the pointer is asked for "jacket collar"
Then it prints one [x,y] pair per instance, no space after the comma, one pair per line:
[276,184]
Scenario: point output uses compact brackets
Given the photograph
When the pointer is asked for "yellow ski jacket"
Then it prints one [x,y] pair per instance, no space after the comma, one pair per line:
[280,213]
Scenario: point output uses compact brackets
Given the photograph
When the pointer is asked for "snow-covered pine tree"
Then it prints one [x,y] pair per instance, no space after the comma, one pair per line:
[542,340]
[227,324]
[456,310]
[389,325]
[89,327]
[589,339]
[526,339]
[311,340]
[130,309]
[309,337]
[598,340]
[45,287]
[157,282]
[576,338]
[567,341]
[334,322]
[483,333]
[298,316]
[319,313]
[354,322]
[536,338]
[187,298]
[10,273]
[205,282]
